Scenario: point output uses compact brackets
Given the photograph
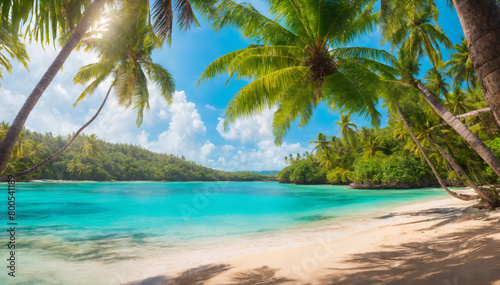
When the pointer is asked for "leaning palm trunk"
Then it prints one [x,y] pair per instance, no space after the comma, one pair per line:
[56,154]
[466,115]
[440,180]
[477,144]
[480,21]
[459,170]
[10,139]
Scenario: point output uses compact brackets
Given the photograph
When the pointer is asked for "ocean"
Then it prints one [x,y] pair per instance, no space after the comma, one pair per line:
[116,232]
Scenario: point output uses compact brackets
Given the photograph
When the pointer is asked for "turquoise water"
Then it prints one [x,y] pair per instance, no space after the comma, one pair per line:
[96,225]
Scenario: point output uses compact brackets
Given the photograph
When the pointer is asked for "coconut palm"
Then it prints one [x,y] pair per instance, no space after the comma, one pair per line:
[435,82]
[460,67]
[407,65]
[411,25]
[322,143]
[481,22]
[370,146]
[125,54]
[91,146]
[75,18]
[44,16]
[459,101]
[298,62]
[74,166]
[347,129]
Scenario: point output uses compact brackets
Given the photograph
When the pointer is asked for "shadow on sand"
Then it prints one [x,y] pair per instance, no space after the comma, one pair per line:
[465,257]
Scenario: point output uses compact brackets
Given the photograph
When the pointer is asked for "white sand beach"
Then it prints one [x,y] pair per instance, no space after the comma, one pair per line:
[437,242]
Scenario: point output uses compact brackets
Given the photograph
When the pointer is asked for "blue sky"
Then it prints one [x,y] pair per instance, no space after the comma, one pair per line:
[191,125]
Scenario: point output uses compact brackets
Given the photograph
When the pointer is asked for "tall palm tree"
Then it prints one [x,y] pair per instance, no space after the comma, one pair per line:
[370,146]
[322,143]
[47,16]
[125,54]
[460,66]
[74,165]
[23,13]
[298,62]
[91,146]
[412,26]
[459,101]
[347,129]
[407,64]
[436,83]
[431,165]
[481,22]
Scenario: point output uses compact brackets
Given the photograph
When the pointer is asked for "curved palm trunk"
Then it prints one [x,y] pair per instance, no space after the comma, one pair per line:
[480,21]
[56,154]
[440,180]
[8,142]
[477,144]
[459,170]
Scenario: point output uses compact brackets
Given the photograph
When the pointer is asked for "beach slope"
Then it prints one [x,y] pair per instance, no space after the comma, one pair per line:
[437,242]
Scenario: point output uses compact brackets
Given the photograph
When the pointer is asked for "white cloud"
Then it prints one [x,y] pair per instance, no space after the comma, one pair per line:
[246,130]
[256,150]
[206,149]
[185,131]
[210,107]
[177,129]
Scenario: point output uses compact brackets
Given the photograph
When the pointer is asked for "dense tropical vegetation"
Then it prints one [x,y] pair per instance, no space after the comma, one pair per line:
[388,157]
[90,158]
[444,121]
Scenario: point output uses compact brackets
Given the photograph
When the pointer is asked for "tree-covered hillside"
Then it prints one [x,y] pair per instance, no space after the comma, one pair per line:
[89,158]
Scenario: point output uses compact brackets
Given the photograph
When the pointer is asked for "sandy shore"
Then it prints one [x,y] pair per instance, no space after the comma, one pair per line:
[437,242]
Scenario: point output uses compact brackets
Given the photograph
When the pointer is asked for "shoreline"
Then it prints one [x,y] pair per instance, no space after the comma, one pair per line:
[310,261]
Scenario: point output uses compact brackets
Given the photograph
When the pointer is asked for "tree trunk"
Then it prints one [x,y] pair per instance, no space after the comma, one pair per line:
[460,171]
[440,180]
[466,115]
[477,144]
[10,139]
[56,154]
[480,21]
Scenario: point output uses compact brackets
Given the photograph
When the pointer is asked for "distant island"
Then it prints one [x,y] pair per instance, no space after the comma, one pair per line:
[90,158]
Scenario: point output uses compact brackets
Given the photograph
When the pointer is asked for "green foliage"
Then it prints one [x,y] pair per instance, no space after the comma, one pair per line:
[339,176]
[121,162]
[390,169]
[303,171]
[299,60]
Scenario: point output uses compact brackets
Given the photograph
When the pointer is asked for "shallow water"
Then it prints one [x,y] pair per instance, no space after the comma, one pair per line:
[109,233]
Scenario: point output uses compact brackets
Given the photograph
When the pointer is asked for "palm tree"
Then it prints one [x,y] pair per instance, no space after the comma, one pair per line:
[125,55]
[459,102]
[347,129]
[436,83]
[91,146]
[74,166]
[431,165]
[297,63]
[22,147]
[23,12]
[46,18]
[370,146]
[481,22]
[125,52]
[322,143]
[460,66]
[412,26]
[407,64]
